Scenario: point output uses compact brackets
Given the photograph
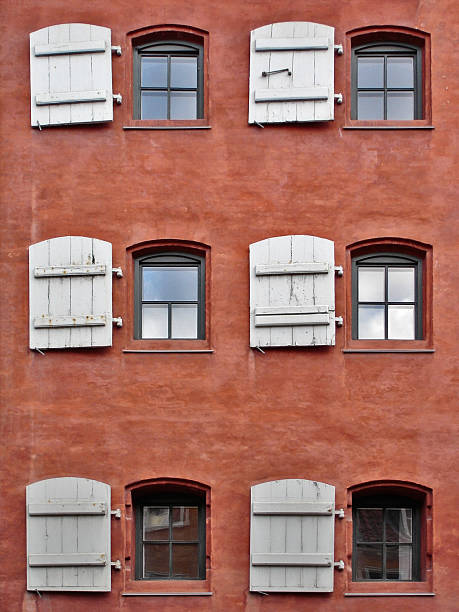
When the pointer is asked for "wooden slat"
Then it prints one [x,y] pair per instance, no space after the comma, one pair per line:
[66,559]
[95,46]
[49,321]
[293,268]
[289,320]
[290,44]
[71,97]
[291,95]
[289,310]
[298,508]
[64,508]
[71,270]
[288,559]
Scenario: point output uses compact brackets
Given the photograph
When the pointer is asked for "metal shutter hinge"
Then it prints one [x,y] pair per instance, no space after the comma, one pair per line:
[339,565]
[339,98]
[118,98]
[339,513]
[339,321]
[118,272]
[116,564]
[118,321]
[116,49]
[339,270]
[339,49]
[116,513]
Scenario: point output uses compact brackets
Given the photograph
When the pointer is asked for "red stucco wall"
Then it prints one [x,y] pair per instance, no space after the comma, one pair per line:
[234,417]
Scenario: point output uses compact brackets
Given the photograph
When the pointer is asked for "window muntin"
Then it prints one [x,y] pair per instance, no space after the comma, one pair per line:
[386,539]
[386,82]
[168,81]
[387,297]
[169,297]
[170,537]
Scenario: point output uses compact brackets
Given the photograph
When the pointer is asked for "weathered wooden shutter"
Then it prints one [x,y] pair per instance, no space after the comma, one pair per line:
[71,74]
[291,73]
[70,293]
[68,535]
[292,292]
[292,536]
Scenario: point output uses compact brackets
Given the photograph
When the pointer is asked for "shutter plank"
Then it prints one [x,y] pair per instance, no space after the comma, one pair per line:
[324,73]
[303,73]
[289,98]
[259,62]
[292,559]
[59,74]
[81,288]
[66,559]
[75,508]
[97,46]
[291,320]
[279,112]
[70,270]
[280,287]
[38,294]
[102,293]
[296,508]
[293,43]
[302,285]
[293,268]
[259,293]
[324,289]
[101,73]
[81,74]
[39,78]
[59,291]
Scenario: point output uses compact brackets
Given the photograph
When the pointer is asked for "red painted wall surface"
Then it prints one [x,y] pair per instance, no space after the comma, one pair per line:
[234,417]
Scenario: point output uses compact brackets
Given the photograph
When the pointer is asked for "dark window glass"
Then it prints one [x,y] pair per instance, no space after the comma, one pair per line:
[387,297]
[169,297]
[168,81]
[386,539]
[170,538]
[386,82]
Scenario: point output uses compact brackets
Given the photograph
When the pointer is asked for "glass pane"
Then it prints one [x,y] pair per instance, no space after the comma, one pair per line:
[184,523]
[368,564]
[153,72]
[183,104]
[370,105]
[169,284]
[156,560]
[400,105]
[398,525]
[370,72]
[401,322]
[370,525]
[185,560]
[153,105]
[400,285]
[398,563]
[155,523]
[371,284]
[154,321]
[400,72]
[371,322]
[184,321]
[184,72]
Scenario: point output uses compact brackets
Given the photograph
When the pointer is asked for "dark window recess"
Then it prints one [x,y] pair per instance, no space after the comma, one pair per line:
[387,297]
[170,538]
[386,540]
[169,296]
[168,81]
[387,82]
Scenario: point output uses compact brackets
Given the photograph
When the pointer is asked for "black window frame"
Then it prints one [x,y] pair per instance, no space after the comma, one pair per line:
[388,260]
[384,503]
[169,48]
[388,49]
[169,259]
[169,499]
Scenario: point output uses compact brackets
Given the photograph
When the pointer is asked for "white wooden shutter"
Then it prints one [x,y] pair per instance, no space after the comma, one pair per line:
[292,292]
[70,293]
[307,93]
[68,535]
[71,74]
[292,536]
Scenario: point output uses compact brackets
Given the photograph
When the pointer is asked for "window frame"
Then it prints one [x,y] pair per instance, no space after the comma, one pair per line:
[190,49]
[388,260]
[402,247]
[385,502]
[170,259]
[409,492]
[170,500]
[390,36]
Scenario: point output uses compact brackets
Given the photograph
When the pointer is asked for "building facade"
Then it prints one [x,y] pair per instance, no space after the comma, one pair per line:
[228,251]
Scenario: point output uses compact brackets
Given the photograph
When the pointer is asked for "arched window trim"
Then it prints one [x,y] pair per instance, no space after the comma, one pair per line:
[392,246]
[420,497]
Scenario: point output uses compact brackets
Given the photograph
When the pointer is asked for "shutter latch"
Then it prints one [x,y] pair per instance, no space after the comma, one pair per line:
[339,565]
[116,564]
[266,73]
[116,513]
[339,513]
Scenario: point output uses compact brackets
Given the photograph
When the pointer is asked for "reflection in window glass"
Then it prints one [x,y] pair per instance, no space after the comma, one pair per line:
[400,322]
[401,284]
[400,72]
[370,105]
[153,72]
[371,284]
[183,105]
[371,322]
[370,72]
[184,72]
[154,320]
[170,284]
[400,105]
